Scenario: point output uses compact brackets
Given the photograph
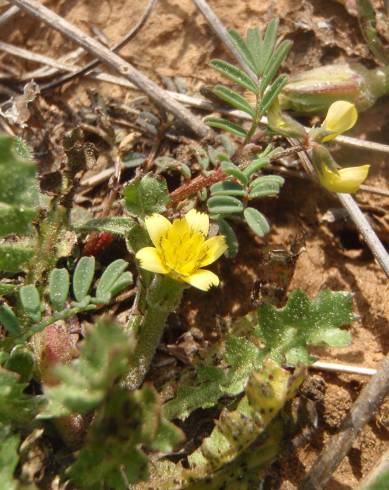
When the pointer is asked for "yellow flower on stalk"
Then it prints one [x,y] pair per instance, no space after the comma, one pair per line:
[341,117]
[181,249]
[333,177]
[343,180]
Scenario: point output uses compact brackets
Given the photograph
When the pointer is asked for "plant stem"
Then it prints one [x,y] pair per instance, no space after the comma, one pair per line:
[162,297]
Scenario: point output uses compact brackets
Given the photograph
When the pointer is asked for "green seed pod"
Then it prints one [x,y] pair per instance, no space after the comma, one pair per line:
[315,90]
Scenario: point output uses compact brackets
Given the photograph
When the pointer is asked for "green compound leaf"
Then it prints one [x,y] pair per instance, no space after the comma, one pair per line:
[31,302]
[59,284]
[256,221]
[235,74]
[104,358]
[18,188]
[14,256]
[221,123]
[287,332]
[118,225]
[83,277]
[9,458]
[224,205]
[146,195]
[234,99]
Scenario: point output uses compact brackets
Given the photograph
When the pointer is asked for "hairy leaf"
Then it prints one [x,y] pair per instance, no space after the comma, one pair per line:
[59,284]
[221,123]
[288,331]
[18,189]
[13,257]
[211,383]
[9,458]
[235,74]
[256,221]
[234,99]
[84,383]
[146,195]
[15,406]
[125,422]
[118,225]
[83,277]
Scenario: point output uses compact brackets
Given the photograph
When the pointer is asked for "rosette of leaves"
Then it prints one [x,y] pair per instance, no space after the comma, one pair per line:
[230,198]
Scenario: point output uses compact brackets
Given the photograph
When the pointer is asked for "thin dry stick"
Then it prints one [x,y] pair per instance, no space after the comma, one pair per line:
[219,29]
[342,368]
[8,14]
[141,22]
[36,57]
[371,397]
[35,8]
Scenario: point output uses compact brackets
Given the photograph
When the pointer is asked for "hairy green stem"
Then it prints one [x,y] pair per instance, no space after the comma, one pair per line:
[162,297]
[46,255]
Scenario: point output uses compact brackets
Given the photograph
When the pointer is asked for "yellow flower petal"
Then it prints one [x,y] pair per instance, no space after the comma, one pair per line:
[341,116]
[150,260]
[346,180]
[202,279]
[198,221]
[215,247]
[157,225]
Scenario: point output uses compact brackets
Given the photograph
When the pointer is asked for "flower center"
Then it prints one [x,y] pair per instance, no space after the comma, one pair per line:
[181,249]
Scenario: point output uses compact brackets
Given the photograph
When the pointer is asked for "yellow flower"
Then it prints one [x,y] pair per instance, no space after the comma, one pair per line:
[181,249]
[343,180]
[341,117]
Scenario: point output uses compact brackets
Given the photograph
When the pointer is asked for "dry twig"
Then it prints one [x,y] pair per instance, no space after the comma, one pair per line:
[130,35]
[8,14]
[158,95]
[371,397]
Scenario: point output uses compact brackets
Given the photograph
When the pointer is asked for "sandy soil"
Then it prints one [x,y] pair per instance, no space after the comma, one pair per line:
[177,42]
